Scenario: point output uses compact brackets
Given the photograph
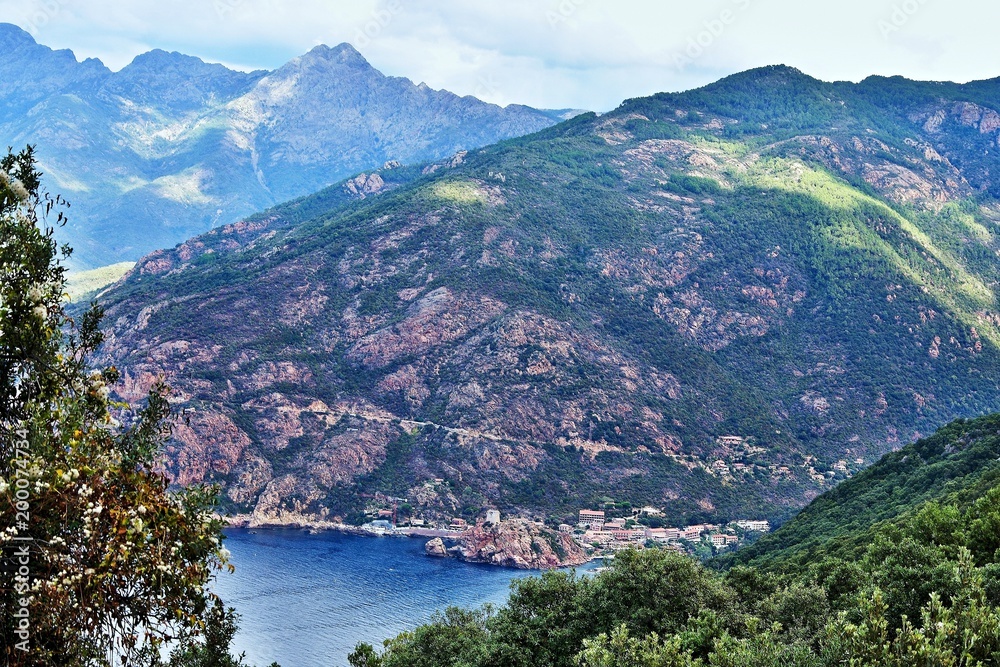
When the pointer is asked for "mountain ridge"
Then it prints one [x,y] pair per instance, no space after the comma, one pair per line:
[717,315]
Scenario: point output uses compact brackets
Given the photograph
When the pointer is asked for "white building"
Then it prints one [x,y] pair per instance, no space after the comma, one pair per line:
[754,526]
[592,518]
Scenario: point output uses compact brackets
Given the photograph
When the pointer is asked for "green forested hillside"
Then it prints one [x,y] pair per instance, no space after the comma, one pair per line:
[956,467]
[577,317]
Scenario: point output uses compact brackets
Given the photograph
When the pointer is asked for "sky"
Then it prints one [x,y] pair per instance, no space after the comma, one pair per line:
[583,54]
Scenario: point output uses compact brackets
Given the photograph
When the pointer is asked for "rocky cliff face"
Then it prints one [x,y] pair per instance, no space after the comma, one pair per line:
[170,146]
[583,316]
[514,543]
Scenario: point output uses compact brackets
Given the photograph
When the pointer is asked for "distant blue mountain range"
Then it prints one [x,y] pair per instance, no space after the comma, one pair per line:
[171,146]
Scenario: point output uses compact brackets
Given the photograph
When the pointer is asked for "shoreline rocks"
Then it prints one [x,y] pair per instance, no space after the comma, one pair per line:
[436,548]
[515,543]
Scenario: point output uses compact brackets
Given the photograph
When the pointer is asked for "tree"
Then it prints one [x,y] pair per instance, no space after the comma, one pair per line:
[964,634]
[454,638]
[621,650]
[103,563]
[655,590]
[542,623]
[364,655]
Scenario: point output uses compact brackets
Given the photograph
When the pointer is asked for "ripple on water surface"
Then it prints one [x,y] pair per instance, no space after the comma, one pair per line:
[306,600]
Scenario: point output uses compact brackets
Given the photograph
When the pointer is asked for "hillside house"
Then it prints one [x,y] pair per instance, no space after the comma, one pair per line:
[754,526]
[592,518]
[663,535]
[720,540]
[600,537]
[721,467]
[692,534]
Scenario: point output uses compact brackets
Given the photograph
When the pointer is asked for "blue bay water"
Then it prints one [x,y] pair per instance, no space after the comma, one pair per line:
[306,600]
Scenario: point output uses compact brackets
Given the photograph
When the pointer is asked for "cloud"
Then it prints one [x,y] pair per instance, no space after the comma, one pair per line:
[549,53]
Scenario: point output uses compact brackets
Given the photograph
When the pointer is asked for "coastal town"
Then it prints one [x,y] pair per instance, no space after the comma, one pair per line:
[596,533]
[611,527]
[603,534]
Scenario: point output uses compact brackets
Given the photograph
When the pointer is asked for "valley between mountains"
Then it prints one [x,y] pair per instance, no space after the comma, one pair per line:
[718,302]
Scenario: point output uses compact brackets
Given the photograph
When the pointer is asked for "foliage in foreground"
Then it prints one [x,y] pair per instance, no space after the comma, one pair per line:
[925,591]
[103,564]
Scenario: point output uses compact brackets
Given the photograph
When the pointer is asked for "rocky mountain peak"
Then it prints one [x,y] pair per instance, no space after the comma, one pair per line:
[178,80]
[13,37]
[228,142]
[30,71]
[342,54]
[158,60]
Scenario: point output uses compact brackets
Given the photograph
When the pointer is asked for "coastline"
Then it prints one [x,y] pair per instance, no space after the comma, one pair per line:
[494,557]
[249,522]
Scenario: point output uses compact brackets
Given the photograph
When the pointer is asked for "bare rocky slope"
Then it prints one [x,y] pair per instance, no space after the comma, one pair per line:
[171,146]
[718,302]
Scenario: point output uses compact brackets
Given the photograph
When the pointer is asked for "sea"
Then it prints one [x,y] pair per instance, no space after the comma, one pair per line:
[306,600]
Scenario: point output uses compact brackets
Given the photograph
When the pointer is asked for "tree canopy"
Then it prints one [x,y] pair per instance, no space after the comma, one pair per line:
[103,562]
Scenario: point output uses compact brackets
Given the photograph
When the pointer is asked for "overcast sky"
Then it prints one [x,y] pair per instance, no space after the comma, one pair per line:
[547,53]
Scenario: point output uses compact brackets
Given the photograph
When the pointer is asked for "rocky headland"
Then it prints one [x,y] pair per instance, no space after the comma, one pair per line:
[516,543]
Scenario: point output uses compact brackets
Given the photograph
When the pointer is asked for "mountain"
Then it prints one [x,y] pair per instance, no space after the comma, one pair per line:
[719,302]
[171,146]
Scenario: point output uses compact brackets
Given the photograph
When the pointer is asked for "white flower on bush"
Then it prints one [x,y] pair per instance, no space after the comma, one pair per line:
[20,192]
